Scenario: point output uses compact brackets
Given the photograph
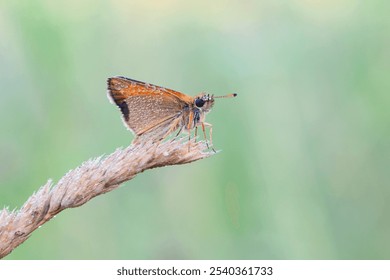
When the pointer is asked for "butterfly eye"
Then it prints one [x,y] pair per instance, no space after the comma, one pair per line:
[199,102]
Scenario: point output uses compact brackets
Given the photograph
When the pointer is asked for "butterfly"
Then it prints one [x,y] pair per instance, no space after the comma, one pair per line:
[154,112]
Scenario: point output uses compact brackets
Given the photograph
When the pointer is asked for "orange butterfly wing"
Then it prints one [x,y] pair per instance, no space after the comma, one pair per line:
[147,108]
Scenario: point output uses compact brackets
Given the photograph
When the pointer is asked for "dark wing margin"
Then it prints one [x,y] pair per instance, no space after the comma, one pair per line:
[117,95]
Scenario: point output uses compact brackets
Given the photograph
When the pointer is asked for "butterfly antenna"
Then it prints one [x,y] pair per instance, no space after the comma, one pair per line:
[227,95]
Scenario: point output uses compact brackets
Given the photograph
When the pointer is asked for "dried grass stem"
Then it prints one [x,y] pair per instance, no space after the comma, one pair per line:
[94,177]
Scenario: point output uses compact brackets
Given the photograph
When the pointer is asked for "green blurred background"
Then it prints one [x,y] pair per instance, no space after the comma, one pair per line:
[304,168]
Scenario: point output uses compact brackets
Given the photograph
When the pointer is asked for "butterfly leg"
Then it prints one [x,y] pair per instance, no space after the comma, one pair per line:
[177,134]
[189,139]
[204,124]
[196,132]
[190,120]
[204,134]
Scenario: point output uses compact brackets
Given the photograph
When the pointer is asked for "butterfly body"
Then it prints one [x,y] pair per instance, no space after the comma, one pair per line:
[155,112]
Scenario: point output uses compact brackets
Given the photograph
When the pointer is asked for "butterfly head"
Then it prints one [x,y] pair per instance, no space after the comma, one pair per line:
[204,102]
